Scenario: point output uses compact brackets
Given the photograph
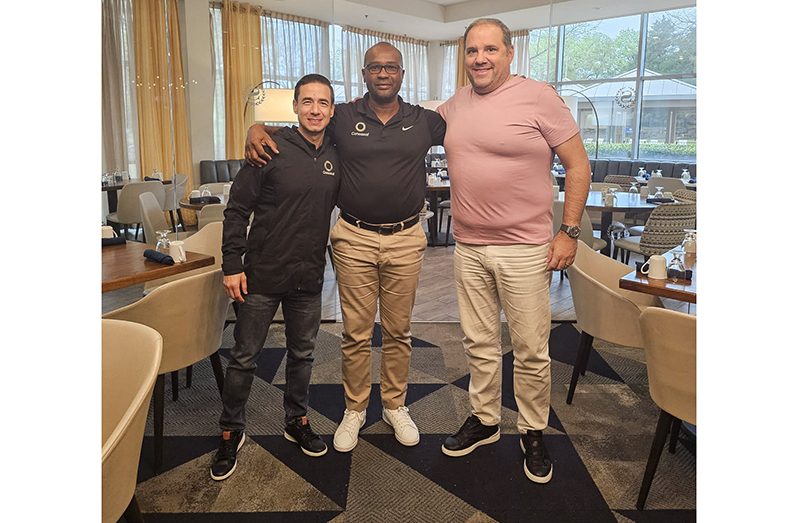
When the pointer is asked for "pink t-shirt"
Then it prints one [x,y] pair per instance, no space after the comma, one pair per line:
[499,151]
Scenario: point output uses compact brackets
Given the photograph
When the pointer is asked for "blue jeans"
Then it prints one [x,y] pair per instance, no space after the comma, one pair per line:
[302,313]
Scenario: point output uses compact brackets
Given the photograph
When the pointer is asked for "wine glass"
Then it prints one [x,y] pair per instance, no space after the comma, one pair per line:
[659,194]
[205,192]
[677,262]
[686,175]
[690,242]
[162,245]
[633,189]
[658,173]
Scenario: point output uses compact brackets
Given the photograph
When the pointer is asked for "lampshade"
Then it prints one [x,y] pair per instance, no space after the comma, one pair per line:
[430,104]
[274,105]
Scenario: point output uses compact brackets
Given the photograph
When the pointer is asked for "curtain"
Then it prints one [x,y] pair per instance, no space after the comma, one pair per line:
[462,77]
[118,115]
[217,58]
[161,92]
[449,69]
[242,70]
[293,47]
[520,63]
[356,42]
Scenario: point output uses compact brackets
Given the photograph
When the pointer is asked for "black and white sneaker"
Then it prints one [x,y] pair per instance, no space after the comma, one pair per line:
[224,462]
[537,465]
[470,436]
[298,431]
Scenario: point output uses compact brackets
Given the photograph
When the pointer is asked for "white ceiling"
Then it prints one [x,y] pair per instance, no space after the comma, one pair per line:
[447,19]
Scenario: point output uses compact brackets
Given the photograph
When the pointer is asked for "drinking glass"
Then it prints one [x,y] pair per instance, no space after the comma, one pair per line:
[162,245]
[658,173]
[633,189]
[677,263]
[659,194]
[686,175]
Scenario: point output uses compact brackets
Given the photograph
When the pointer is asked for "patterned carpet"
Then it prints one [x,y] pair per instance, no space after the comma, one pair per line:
[599,446]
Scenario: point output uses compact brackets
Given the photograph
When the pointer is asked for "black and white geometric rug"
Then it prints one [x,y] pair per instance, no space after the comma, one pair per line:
[598,445]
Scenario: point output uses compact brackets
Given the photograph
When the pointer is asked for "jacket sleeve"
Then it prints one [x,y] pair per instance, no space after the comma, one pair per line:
[244,196]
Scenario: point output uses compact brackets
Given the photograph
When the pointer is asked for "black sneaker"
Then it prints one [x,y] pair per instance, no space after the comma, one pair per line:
[537,465]
[224,462]
[470,436]
[298,431]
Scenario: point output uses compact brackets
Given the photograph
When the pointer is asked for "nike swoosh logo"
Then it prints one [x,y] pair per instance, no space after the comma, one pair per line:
[407,128]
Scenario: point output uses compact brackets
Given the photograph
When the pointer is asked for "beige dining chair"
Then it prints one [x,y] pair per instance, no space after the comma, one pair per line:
[212,212]
[669,339]
[624,181]
[153,220]
[603,309]
[663,231]
[189,313]
[618,226]
[128,211]
[174,192]
[131,356]
[214,187]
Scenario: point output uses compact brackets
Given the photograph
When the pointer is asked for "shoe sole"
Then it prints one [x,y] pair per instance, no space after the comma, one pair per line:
[406,444]
[468,450]
[303,449]
[342,449]
[532,477]
[230,472]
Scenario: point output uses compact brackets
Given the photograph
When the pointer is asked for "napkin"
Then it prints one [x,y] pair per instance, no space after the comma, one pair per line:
[151,179]
[159,257]
[118,240]
[660,200]
[205,199]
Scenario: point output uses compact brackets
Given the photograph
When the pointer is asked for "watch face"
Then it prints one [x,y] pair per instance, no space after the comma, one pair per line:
[571,230]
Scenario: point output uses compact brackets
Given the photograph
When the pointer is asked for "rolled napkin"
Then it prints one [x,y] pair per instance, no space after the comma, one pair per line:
[205,199]
[159,257]
[152,179]
[660,200]
[118,240]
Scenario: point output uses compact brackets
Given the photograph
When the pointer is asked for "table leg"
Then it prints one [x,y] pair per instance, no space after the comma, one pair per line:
[606,221]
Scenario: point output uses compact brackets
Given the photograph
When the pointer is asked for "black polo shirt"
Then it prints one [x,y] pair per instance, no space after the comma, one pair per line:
[383,174]
[291,198]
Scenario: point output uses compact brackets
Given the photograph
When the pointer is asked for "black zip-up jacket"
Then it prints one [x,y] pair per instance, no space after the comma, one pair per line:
[292,198]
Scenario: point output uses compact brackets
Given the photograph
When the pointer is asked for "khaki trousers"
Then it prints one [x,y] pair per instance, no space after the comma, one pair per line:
[371,267]
[514,278]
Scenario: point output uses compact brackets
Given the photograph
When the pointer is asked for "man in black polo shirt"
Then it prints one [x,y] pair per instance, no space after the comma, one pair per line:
[378,243]
[284,257]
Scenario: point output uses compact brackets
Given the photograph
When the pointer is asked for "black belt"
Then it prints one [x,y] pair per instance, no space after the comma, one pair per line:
[385,229]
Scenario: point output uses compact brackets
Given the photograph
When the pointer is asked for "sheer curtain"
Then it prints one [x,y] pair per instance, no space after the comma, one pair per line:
[118,96]
[217,57]
[449,69]
[293,47]
[356,42]
[243,69]
[520,63]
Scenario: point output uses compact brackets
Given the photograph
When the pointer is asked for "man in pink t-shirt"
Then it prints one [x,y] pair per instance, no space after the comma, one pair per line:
[501,134]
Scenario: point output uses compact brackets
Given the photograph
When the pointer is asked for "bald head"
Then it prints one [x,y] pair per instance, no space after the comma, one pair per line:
[379,48]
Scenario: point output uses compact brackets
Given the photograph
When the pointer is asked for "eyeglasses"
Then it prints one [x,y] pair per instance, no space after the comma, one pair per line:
[389,68]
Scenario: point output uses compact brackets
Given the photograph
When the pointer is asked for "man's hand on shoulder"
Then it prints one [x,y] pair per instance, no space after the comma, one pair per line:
[258,140]
[562,252]
[235,285]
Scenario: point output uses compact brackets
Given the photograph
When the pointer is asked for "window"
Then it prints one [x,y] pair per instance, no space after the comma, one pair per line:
[670,48]
[668,121]
[543,54]
[601,49]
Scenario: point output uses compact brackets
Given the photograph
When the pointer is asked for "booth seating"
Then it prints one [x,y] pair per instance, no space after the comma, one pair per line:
[603,167]
[212,171]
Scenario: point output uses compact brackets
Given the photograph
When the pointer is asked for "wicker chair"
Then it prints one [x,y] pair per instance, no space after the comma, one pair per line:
[663,231]
[685,195]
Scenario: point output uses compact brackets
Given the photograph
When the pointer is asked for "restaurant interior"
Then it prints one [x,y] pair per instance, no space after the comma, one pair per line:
[181,82]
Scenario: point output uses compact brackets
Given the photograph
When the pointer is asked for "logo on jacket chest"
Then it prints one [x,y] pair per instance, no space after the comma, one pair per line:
[328,168]
[360,127]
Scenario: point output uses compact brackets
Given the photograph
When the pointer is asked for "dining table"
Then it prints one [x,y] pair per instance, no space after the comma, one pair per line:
[125,265]
[436,192]
[674,288]
[624,202]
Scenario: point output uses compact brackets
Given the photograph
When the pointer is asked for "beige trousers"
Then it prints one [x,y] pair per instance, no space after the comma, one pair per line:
[371,267]
[514,278]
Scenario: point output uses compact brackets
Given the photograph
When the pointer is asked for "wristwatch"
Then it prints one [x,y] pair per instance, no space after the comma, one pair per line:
[572,231]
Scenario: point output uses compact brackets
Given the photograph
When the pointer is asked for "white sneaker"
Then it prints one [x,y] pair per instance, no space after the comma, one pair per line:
[345,437]
[404,429]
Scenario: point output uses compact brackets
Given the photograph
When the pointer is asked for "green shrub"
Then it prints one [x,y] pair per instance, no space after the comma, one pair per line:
[652,151]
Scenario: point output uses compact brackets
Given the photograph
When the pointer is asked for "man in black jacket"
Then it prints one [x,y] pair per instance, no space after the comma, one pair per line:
[284,257]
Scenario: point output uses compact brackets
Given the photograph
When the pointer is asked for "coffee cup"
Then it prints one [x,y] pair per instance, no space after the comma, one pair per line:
[195,194]
[655,268]
[177,251]
[644,192]
[108,231]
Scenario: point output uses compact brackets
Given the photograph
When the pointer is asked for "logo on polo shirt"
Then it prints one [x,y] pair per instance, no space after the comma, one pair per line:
[359,128]
[328,168]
